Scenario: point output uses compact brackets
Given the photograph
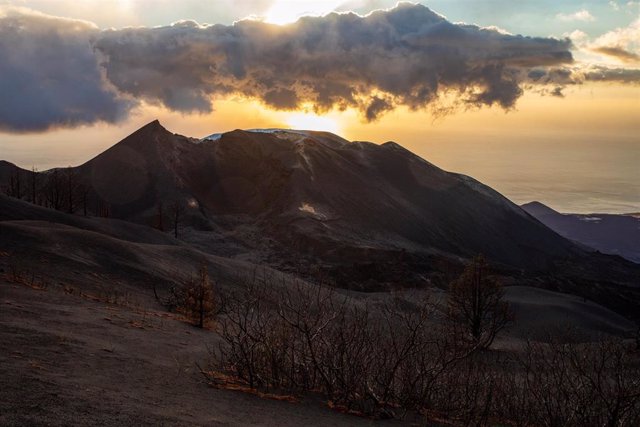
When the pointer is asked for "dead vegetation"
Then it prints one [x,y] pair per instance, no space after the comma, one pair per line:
[193,296]
[403,357]
[396,357]
[20,273]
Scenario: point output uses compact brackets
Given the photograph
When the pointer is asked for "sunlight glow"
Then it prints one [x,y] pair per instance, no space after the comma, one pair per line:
[125,4]
[288,11]
[309,121]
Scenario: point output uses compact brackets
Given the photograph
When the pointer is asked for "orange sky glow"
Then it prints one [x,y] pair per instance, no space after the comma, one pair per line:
[545,141]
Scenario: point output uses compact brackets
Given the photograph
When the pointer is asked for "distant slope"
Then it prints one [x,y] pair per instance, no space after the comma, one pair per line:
[610,234]
[540,312]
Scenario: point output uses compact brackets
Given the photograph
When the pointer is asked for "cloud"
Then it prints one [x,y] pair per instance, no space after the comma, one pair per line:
[618,75]
[617,52]
[627,38]
[558,78]
[49,74]
[407,56]
[578,37]
[621,44]
[62,72]
[582,15]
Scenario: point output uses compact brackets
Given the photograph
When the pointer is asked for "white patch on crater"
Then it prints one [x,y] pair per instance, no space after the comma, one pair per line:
[306,207]
[313,211]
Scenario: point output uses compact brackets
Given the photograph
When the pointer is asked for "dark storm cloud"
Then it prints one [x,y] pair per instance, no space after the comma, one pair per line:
[376,107]
[58,72]
[554,76]
[49,75]
[407,56]
[282,98]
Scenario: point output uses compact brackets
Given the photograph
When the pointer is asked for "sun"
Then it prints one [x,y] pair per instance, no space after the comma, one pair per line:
[310,121]
[287,11]
[125,4]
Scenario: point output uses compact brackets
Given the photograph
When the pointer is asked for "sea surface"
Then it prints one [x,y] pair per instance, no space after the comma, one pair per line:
[569,176]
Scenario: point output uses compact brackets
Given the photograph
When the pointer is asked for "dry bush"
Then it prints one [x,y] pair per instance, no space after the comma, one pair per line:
[21,272]
[389,359]
[17,272]
[310,338]
[251,334]
[193,296]
[198,302]
[580,384]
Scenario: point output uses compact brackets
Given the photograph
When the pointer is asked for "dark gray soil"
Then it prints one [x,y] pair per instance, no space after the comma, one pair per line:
[67,360]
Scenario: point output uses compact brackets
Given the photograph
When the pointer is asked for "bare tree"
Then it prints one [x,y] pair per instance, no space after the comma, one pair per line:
[71,187]
[33,178]
[198,299]
[103,209]
[158,221]
[476,304]
[15,188]
[54,190]
[176,210]
[82,190]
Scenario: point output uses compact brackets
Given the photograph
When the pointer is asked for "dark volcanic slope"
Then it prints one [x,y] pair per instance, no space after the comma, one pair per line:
[102,253]
[611,234]
[318,193]
[7,170]
[12,209]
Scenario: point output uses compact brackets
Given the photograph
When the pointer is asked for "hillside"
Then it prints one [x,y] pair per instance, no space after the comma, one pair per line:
[84,340]
[608,233]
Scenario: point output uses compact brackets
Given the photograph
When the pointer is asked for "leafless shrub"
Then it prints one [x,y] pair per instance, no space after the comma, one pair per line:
[198,301]
[252,335]
[309,337]
[194,296]
[177,209]
[387,359]
[580,384]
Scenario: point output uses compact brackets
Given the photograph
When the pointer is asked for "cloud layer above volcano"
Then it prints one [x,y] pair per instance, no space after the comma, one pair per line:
[49,74]
[61,72]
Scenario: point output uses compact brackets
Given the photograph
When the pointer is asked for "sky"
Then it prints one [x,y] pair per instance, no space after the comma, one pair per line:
[539,99]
